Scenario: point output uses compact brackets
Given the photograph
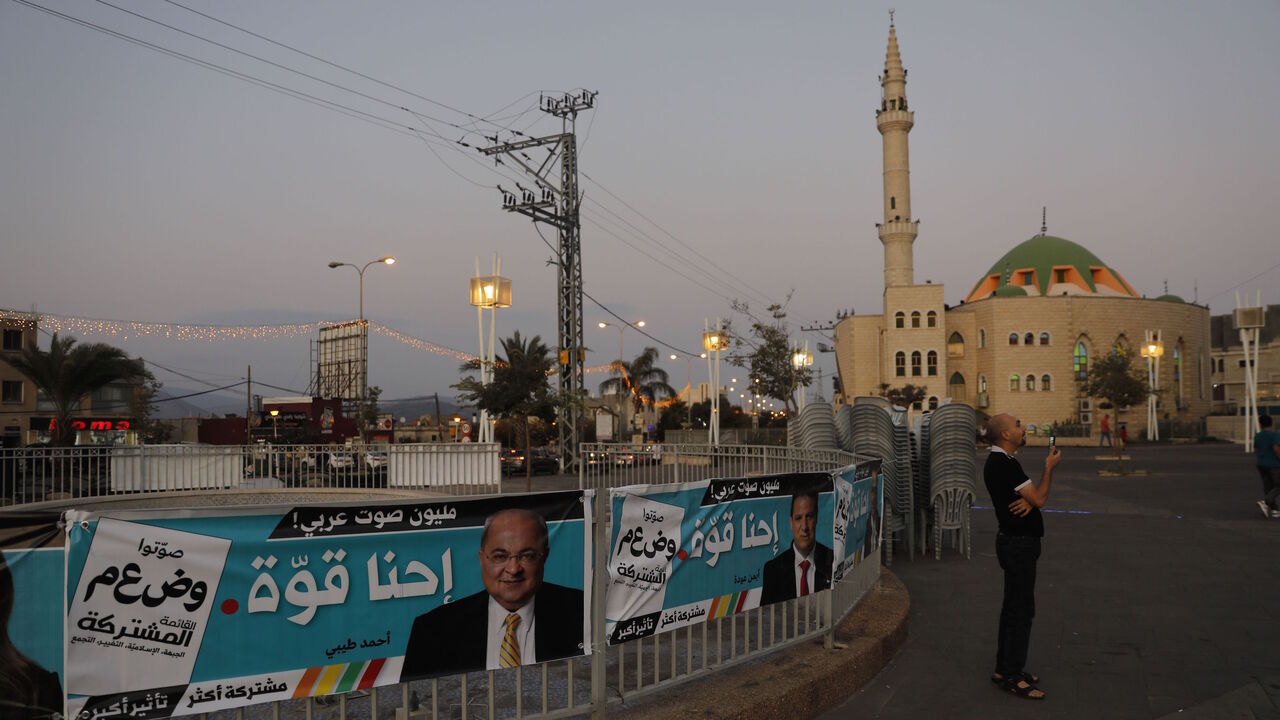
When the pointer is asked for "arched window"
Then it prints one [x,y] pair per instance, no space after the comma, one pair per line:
[1080,362]
[893,203]
[900,364]
[955,345]
[1013,338]
[955,387]
[1044,338]
[1045,383]
[931,363]
[915,318]
[915,405]
[933,402]
[1029,339]
[915,363]
[931,319]
[1121,346]
[982,382]
[899,320]
[1177,372]
[1220,365]
[982,337]
[1031,382]
[1015,383]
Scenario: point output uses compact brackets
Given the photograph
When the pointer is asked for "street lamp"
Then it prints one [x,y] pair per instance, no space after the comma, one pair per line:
[364,331]
[801,359]
[1152,349]
[713,341]
[488,292]
[275,425]
[621,360]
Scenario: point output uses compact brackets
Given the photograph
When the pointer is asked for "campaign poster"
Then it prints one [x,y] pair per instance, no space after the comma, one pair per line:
[182,612]
[859,491]
[31,567]
[684,553]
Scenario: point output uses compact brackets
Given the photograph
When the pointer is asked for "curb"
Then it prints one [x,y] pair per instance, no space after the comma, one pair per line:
[801,681]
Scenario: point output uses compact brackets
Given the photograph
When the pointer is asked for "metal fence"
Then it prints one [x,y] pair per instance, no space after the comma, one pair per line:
[38,474]
[565,688]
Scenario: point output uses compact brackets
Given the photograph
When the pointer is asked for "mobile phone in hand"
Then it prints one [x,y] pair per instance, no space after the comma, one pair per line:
[1053,440]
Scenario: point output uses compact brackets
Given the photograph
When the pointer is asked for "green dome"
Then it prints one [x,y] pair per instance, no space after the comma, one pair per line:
[1010,291]
[1034,261]
[1171,298]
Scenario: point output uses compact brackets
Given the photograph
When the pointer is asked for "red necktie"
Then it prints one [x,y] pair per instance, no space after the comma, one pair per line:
[804,578]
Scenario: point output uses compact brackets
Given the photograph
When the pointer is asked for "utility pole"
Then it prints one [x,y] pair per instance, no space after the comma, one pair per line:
[824,328]
[555,201]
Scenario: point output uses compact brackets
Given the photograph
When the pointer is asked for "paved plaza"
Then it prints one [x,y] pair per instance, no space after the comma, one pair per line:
[1157,597]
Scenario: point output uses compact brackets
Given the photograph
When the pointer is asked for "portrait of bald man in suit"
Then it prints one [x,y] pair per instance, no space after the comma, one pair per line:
[516,620]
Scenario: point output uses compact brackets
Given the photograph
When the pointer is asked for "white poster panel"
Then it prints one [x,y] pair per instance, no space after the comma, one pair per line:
[641,560]
[140,610]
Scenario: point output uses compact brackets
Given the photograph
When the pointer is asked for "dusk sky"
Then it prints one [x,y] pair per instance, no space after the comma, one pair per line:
[137,186]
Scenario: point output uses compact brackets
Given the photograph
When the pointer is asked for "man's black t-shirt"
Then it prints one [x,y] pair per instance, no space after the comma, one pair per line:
[1003,475]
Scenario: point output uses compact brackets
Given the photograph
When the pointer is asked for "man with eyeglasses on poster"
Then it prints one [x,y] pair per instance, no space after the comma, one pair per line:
[516,620]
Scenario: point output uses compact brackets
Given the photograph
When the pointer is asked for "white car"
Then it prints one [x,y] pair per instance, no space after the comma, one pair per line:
[375,461]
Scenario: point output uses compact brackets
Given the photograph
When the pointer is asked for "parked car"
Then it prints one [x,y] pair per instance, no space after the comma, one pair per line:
[341,462]
[512,461]
[375,461]
[544,461]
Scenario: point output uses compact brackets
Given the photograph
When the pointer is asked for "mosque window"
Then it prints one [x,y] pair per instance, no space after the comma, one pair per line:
[1060,275]
[1013,338]
[899,319]
[982,337]
[982,382]
[1046,384]
[1177,372]
[1121,346]
[1031,382]
[1080,362]
[931,361]
[955,345]
[1015,383]
[1220,365]
[915,318]
[931,319]
[1028,277]
[933,402]
[915,364]
[1029,339]
[900,364]
[955,386]
[893,202]
[1044,338]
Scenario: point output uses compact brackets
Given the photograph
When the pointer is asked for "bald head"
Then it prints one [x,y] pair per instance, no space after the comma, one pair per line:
[1006,431]
[998,424]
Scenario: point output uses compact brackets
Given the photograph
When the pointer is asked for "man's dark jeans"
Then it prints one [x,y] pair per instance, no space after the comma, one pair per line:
[1017,557]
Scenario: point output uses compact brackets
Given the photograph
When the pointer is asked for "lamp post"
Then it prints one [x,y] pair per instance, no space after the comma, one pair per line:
[364,332]
[1152,349]
[275,425]
[713,341]
[621,359]
[488,293]
[801,359]
[688,404]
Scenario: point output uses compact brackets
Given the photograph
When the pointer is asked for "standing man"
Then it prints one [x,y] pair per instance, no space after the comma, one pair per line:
[805,566]
[1017,502]
[1266,446]
[1106,430]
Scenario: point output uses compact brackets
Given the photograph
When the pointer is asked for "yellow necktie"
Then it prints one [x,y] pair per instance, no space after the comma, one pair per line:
[510,654]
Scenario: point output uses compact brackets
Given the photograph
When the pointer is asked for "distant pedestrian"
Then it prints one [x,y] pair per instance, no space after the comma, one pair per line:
[1266,447]
[1017,502]
[1106,430]
[1124,436]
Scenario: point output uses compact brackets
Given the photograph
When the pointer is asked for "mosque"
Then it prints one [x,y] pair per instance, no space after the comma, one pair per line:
[1022,338]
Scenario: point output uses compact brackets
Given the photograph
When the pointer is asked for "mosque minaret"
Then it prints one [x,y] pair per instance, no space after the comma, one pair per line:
[894,121]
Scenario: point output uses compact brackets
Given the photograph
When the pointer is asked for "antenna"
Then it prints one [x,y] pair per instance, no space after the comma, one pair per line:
[1044,220]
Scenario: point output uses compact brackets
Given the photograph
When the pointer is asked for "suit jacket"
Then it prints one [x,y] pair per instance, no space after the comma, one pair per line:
[780,574]
[451,638]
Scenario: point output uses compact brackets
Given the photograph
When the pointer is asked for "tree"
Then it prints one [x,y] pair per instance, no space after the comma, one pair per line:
[673,417]
[66,372]
[769,361]
[640,379]
[1113,378]
[520,388]
[906,396]
[142,408]
[369,411]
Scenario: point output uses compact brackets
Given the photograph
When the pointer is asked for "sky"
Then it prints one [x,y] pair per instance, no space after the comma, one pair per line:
[732,154]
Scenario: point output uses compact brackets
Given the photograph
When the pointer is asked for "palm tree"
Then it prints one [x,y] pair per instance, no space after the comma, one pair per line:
[639,378]
[67,372]
[520,388]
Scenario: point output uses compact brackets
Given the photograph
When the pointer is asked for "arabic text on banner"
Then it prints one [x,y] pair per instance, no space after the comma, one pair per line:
[196,611]
[859,493]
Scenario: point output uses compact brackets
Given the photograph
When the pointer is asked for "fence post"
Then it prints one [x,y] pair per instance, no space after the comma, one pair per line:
[599,668]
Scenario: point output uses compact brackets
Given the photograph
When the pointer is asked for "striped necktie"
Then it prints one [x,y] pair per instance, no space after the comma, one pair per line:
[510,655]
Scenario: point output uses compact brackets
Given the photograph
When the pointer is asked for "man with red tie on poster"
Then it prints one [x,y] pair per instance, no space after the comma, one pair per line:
[805,566]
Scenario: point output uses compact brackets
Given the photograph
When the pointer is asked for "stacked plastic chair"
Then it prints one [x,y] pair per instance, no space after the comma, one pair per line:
[844,428]
[953,472]
[874,434]
[816,426]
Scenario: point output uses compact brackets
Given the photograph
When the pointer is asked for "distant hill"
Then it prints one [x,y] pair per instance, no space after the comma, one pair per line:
[171,404]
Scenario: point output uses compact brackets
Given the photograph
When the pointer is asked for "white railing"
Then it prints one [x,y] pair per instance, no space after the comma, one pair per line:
[38,474]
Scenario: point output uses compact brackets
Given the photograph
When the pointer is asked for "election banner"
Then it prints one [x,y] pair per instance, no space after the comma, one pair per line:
[31,563]
[859,491]
[684,553]
[173,613]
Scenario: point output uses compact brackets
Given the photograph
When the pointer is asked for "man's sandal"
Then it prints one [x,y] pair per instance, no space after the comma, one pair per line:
[1023,689]
[1032,678]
